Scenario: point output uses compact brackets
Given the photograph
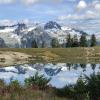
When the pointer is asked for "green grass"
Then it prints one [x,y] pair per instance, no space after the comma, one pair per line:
[63,55]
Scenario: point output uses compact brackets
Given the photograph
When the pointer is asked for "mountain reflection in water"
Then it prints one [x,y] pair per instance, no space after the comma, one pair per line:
[61,73]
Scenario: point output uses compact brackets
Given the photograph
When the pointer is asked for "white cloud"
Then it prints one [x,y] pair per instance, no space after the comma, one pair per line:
[87,15]
[7,1]
[71,0]
[62,17]
[84,11]
[30,2]
[70,16]
[82,5]
[97,7]
[26,21]
[91,14]
[95,2]
[7,22]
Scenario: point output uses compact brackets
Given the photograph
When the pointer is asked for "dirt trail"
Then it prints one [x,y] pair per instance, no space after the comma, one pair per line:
[10,58]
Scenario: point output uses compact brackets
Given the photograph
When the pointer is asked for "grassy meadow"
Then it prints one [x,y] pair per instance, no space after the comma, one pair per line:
[62,55]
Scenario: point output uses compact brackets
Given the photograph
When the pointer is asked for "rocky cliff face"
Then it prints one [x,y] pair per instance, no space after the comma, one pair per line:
[2,43]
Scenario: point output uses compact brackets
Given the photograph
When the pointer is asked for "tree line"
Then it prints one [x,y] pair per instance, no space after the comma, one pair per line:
[75,42]
[71,42]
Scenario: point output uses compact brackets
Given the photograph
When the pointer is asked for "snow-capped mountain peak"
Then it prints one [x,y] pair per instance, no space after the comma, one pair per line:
[22,35]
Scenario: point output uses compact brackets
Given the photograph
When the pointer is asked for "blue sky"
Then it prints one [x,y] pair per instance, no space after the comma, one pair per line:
[84,14]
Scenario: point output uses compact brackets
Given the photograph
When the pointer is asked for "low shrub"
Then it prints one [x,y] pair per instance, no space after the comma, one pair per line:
[37,82]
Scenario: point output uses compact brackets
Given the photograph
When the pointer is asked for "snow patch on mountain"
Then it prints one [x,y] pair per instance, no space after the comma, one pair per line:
[7,30]
[65,28]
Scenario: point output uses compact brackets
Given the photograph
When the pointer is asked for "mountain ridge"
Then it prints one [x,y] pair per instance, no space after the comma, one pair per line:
[21,35]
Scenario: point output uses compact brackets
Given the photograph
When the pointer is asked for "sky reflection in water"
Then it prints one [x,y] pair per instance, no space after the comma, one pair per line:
[61,74]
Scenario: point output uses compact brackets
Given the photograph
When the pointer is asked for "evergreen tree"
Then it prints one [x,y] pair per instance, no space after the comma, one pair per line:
[69,41]
[38,81]
[93,41]
[75,41]
[34,44]
[43,44]
[55,43]
[83,41]
[93,67]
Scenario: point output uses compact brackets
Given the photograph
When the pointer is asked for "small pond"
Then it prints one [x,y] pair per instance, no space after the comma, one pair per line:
[61,74]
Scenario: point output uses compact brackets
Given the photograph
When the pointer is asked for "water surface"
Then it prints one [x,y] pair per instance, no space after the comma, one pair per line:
[61,74]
